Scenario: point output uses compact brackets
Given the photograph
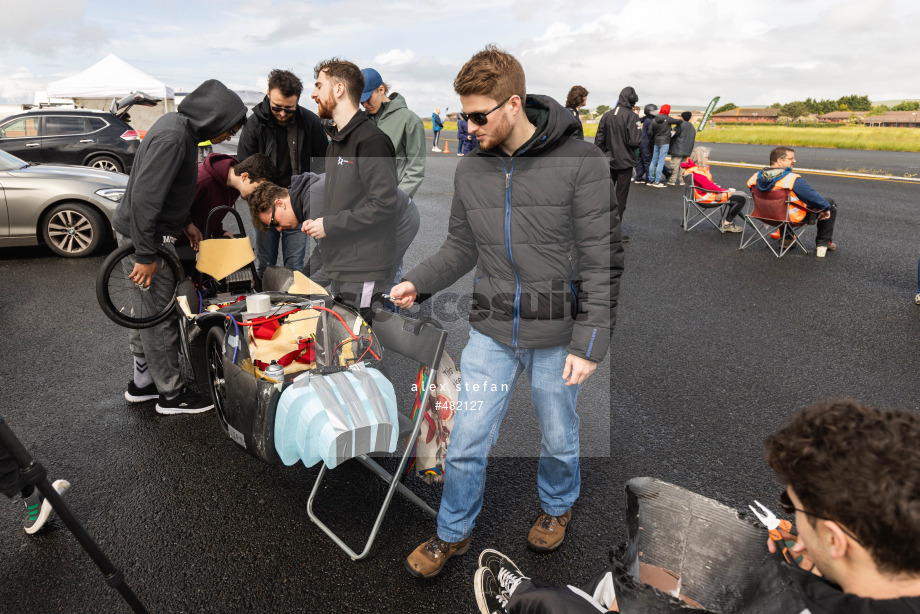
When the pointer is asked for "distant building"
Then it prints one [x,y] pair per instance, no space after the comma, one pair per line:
[840,117]
[747,116]
[894,119]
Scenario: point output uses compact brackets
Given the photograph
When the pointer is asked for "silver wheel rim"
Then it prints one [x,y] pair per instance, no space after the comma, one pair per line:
[70,231]
[106,165]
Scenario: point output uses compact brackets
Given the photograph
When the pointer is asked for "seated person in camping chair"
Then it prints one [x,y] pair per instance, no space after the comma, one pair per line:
[852,476]
[697,165]
[779,176]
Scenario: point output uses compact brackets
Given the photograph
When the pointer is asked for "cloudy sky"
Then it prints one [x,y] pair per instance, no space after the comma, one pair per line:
[678,52]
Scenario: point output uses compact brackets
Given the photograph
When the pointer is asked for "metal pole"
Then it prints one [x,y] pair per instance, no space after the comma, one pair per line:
[34,474]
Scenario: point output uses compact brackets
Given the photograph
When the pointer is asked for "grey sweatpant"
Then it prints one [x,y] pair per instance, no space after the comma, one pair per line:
[675,163]
[158,344]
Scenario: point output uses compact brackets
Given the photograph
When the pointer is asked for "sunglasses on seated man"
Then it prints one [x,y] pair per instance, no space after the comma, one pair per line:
[480,118]
[284,110]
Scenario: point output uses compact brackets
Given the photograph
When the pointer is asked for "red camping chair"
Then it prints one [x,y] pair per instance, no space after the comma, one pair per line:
[771,212]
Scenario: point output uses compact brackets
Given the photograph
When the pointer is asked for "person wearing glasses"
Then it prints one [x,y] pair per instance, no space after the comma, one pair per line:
[154,210]
[294,139]
[531,213]
[852,476]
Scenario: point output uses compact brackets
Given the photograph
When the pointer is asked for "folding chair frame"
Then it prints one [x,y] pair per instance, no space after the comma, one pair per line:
[697,210]
[785,226]
[422,340]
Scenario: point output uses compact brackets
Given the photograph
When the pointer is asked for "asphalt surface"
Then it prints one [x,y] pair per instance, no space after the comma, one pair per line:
[713,350]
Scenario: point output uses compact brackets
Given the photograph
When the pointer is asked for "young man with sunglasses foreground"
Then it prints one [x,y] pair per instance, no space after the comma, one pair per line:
[852,476]
[531,212]
[294,139]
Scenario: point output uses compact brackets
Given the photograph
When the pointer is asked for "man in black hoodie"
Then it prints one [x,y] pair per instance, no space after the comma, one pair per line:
[645,144]
[293,138]
[618,135]
[531,213]
[154,210]
[357,232]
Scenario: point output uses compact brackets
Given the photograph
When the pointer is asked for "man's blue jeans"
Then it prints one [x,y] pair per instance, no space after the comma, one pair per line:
[293,248]
[488,365]
[655,174]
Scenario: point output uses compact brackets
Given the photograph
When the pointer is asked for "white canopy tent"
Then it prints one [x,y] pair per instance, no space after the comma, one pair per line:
[110,77]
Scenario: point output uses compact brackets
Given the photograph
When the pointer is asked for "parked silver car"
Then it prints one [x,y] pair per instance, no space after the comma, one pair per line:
[69,208]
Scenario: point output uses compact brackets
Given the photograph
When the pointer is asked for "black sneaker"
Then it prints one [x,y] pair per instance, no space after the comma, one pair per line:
[503,569]
[186,403]
[490,597]
[38,509]
[136,394]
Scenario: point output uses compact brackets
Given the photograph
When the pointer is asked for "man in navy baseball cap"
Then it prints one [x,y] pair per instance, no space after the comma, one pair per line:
[372,80]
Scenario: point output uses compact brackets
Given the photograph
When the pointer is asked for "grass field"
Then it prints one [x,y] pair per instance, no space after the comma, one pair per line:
[839,137]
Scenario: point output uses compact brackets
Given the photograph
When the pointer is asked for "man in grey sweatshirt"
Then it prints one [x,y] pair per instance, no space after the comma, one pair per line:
[153,212]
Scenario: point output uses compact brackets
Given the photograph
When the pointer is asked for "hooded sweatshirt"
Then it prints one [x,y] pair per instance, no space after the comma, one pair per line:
[661,127]
[646,143]
[768,176]
[162,185]
[211,192]
[537,227]
[307,203]
[407,132]
[618,133]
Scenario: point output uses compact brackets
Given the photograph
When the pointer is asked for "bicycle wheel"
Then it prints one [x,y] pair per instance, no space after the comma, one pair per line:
[128,304]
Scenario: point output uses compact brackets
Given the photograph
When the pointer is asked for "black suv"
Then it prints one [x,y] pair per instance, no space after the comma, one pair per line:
[71,136]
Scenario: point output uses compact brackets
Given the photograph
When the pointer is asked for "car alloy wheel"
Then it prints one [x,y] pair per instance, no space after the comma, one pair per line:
[106,163]
[73,230]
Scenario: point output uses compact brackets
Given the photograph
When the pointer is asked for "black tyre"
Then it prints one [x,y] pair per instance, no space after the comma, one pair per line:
[217,379]
[106,163]
[126,303]
[74,230]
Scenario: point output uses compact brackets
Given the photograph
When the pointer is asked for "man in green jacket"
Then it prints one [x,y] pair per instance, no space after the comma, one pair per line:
[405,129]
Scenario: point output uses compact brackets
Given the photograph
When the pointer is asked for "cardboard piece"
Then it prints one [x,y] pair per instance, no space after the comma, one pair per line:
[221,257]
[304,285]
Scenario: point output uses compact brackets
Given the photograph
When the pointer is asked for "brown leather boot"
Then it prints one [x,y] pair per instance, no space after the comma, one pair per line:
[427,560]
[548,532]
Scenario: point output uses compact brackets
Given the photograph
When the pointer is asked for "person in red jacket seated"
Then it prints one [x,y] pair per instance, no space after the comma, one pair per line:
[698,166]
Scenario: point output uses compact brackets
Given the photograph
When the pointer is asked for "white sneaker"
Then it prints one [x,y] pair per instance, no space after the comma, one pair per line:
[436,149]
[917,299]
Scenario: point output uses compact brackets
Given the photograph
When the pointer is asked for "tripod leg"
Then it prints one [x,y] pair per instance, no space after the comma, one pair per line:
[33,473]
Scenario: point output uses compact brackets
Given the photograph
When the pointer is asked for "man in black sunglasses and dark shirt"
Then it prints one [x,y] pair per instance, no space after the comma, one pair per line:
[294,139]
[853,482]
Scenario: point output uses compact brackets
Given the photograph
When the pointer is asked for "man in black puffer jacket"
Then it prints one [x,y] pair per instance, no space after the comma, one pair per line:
[531,213]
[294,139]
[618,135]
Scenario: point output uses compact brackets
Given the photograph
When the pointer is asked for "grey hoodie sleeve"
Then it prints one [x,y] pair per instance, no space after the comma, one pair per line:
[414,172]
[151,185]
